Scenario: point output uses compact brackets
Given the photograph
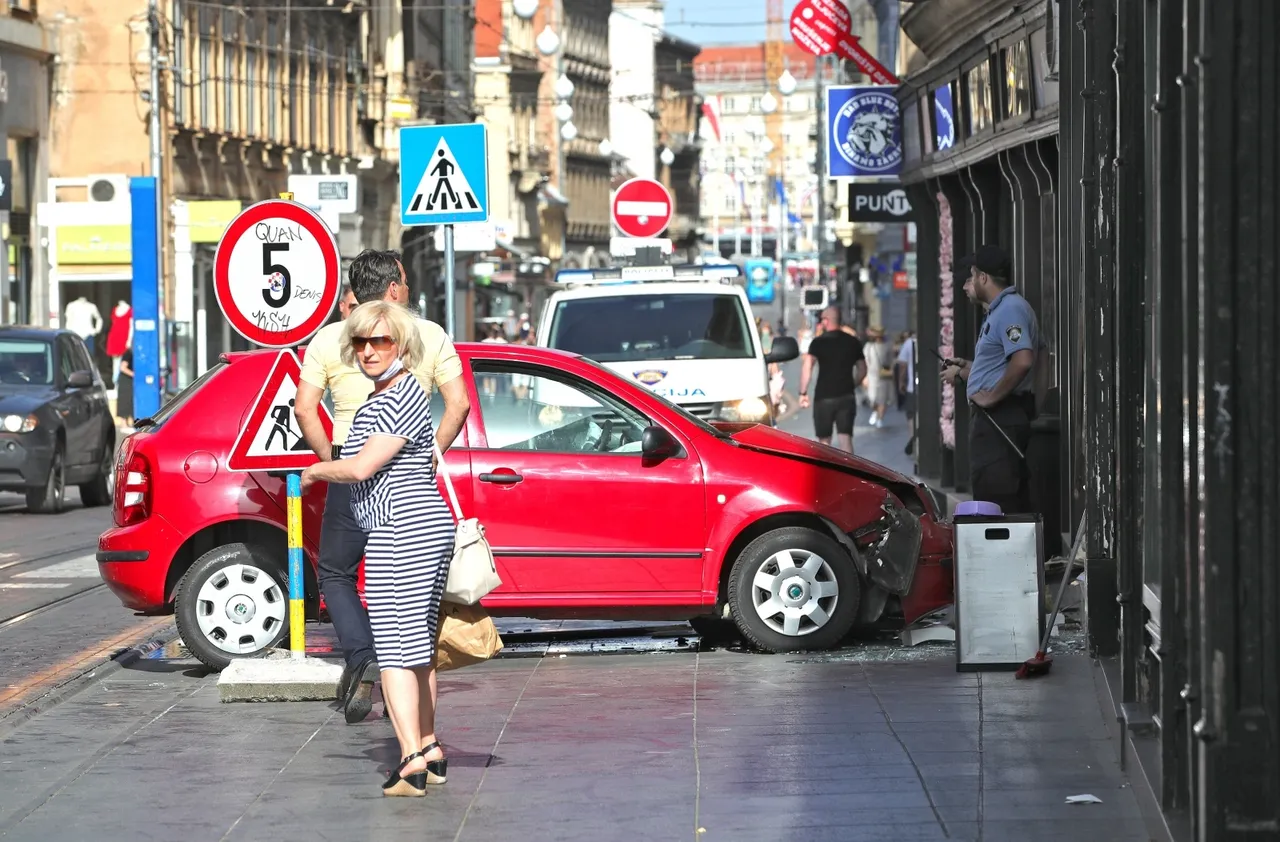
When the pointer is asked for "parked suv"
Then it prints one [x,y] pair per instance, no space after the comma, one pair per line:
[612,503]
[56,428]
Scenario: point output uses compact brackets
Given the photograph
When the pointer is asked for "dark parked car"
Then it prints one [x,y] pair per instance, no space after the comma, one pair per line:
[56,428]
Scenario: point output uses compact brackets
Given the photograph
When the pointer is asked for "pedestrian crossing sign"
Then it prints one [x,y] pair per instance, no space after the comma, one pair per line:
[444,174]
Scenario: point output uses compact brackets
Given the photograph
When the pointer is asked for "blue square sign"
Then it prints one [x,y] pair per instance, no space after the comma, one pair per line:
[444,174]
[864,132]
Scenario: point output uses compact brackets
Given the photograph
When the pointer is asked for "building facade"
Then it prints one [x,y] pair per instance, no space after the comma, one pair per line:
[1121,152]
[27,49]
[677,152]
[252,93]
[583,171]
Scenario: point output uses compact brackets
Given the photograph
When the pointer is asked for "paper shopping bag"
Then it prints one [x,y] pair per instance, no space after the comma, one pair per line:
[467,636]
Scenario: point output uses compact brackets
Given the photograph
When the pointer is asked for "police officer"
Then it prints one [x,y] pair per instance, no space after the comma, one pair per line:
[999,379]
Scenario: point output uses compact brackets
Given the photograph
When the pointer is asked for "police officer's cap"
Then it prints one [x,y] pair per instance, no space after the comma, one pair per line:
[988,258]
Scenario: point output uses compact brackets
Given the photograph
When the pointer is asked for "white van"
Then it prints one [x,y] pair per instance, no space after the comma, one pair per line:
[685,332]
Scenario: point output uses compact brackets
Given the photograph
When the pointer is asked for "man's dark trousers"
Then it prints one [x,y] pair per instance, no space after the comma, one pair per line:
[341,549]
[997,473]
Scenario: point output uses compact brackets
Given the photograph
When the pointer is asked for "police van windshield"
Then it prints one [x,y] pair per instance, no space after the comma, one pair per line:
[659,326]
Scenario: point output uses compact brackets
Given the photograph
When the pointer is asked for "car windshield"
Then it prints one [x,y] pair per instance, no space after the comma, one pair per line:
[674,407]
[26,362]
[660,326]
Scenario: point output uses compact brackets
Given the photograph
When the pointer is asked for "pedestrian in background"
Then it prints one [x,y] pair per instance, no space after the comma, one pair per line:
[839,357]
[389,462]
[907,386]
[346,301]
[880,385]
[374,276]
[1000,380]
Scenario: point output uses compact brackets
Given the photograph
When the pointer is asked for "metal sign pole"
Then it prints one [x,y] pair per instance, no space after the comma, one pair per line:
[449,290]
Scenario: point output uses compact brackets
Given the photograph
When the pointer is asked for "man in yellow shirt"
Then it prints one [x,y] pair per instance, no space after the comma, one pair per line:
[374,276]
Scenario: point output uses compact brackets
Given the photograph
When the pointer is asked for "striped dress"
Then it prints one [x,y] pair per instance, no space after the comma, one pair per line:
[409,526]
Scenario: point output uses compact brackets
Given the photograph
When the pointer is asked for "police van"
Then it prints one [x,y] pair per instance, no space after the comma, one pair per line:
[685,332]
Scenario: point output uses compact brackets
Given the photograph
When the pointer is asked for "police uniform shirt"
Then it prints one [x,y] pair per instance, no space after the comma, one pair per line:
[1010,327]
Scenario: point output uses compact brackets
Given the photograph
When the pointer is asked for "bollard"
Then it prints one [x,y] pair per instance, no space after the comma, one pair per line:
[297,585]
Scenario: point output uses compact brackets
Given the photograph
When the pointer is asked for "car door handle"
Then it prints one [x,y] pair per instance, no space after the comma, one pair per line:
[505,477]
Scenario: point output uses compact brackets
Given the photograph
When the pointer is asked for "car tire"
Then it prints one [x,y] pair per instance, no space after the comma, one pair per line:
[97,491]
[49,498]
[232,603]
[808,577]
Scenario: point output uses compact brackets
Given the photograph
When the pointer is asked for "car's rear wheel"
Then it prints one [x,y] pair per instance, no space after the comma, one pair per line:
[794,589]
[231,604]
[97,491]
[48,498]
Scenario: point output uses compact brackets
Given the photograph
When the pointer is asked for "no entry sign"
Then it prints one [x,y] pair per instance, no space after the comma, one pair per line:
[642,208]
[276,274]
[822,28]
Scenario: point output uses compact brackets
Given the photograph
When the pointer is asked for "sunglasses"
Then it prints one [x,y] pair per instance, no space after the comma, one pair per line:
[379,343]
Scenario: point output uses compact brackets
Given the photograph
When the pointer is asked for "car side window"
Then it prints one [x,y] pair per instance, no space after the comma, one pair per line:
[66,360]
[81,358]
[528,408]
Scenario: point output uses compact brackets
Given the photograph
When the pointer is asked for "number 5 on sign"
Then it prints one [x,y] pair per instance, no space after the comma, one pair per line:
[276,273]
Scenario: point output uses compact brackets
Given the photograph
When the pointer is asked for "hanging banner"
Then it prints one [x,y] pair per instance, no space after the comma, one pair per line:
[864,132]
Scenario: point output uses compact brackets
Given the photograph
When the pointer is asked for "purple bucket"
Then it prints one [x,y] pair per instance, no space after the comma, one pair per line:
[978,508]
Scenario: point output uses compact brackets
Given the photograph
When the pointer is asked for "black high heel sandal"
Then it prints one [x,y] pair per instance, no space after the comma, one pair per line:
[436,769]
[408,785]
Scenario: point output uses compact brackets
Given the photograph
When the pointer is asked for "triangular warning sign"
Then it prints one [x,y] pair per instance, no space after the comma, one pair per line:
[270,439]
[444,187]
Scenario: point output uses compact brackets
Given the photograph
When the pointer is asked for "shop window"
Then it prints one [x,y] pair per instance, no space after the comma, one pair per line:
[1017,80]
[978,87]
[19,152]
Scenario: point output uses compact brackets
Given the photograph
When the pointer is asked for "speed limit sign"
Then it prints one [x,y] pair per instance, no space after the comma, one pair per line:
[276,274]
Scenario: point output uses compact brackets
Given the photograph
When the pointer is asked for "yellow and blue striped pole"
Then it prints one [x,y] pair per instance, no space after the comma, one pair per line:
[297,587]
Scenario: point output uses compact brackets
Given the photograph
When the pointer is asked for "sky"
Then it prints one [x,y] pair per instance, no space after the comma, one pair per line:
[719,21]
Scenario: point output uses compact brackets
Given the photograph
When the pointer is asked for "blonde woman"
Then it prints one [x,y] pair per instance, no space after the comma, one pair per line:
[409,527]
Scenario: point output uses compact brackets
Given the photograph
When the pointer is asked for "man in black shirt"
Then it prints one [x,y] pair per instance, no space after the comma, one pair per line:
[841,368]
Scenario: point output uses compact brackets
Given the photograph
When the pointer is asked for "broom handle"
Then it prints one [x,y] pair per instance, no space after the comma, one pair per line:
[1066,579]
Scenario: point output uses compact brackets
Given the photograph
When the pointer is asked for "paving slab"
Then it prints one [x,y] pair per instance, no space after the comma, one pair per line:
[701,745]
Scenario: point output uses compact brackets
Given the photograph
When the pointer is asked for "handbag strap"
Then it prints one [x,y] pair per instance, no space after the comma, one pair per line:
[448,483]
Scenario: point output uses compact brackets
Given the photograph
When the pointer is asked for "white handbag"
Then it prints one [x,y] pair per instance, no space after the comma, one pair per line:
[472,570]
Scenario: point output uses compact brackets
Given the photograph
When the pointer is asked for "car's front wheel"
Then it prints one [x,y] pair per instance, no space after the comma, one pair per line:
[232,603]
[794,589]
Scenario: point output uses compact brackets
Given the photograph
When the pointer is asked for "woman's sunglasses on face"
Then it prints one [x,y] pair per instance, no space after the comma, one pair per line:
[379,343]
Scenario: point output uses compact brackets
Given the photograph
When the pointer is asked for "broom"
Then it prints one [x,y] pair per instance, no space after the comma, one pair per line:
[1040,664]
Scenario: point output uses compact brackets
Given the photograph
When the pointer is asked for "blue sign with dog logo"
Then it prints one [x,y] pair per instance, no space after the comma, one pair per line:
[864,132]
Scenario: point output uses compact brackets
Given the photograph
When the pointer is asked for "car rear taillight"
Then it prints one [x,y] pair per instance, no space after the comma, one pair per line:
[133,491]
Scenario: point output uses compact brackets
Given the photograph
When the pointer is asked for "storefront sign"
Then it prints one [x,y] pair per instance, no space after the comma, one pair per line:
[207,220]
[878,203]
[864,137]
[93,245]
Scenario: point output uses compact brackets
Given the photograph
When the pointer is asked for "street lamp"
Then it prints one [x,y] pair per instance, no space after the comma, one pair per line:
[568,131]
[786,83]
[766,145]
[606,148]
[524,9]
[564,87]
[547,42]
[667,157]
[564,112]
[768,103]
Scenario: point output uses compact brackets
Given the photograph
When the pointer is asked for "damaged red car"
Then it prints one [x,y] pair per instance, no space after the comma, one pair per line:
[600,500]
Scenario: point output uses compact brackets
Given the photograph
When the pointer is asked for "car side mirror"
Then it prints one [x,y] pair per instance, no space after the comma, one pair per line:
[657,443]
[80,380]
[784,350]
